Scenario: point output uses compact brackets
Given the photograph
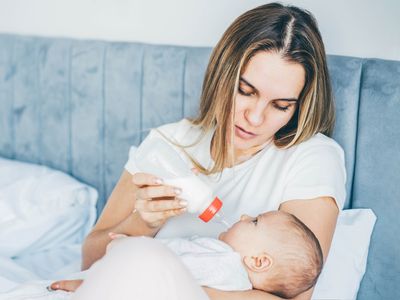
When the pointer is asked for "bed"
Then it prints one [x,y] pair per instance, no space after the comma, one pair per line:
[77,106]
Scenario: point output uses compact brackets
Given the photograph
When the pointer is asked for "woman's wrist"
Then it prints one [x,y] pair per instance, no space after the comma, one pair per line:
[134,225]
[96,242]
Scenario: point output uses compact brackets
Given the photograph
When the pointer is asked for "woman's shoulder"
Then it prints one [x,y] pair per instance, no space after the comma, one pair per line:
[170,127]
[316,149]
[178,128]
[183,131]
[319,142]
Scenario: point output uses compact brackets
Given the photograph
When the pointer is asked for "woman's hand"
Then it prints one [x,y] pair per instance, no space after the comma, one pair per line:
[152,203]
[155,202]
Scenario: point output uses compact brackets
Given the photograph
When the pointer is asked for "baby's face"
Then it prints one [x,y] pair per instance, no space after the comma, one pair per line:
[247,235]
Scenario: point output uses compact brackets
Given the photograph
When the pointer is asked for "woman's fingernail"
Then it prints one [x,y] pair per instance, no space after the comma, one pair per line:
[177,191]
[158,181]
[183,203]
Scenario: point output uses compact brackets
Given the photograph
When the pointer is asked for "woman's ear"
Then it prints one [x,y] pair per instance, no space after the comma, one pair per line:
[258,263]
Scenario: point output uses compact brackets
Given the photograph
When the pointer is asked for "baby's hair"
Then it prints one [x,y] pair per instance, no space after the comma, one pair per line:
[300,260]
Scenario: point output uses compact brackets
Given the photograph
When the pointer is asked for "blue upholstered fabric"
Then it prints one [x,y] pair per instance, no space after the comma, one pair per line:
[78,105]
[377,174]
[345,76]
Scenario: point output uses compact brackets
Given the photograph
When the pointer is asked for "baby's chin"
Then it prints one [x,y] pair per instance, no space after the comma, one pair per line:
[222,236]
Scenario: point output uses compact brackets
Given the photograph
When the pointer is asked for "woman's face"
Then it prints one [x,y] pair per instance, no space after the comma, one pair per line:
[269,89]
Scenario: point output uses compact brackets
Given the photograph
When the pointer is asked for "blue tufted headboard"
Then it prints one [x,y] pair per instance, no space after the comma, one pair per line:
[77,106]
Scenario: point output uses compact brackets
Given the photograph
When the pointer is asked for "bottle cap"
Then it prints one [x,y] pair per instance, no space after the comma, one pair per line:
[211,210]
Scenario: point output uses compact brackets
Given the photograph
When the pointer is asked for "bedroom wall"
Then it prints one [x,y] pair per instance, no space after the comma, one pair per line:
[366,28]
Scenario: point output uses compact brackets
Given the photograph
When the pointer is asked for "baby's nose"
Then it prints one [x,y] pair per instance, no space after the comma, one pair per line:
[244,217]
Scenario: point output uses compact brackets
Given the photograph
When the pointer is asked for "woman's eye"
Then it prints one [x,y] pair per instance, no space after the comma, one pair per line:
[244,93]
[281,108]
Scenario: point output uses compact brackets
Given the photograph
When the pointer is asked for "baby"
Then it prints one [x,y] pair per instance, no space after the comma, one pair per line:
[280,253]
[274,252]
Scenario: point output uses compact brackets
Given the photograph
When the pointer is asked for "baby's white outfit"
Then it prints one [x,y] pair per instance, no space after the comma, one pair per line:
[212,262]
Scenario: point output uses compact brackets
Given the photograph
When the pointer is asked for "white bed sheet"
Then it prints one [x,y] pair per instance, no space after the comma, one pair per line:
[27,277]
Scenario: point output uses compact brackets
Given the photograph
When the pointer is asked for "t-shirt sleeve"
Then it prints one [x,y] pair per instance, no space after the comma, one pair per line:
[172,130]
[130,165]
[317,171]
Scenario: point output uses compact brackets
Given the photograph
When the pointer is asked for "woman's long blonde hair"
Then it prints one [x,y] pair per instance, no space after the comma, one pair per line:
[289,31]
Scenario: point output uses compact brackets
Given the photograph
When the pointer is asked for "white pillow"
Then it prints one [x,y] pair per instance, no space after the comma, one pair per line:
[347,259]
[41,208]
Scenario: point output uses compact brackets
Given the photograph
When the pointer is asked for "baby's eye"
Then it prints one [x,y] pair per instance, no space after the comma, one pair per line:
[255,221]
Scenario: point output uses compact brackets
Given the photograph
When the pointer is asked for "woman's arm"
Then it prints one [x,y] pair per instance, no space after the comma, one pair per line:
[214,294]
[320,215]
[118,216]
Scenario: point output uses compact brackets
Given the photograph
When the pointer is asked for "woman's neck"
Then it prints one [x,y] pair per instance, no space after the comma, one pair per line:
[240,155]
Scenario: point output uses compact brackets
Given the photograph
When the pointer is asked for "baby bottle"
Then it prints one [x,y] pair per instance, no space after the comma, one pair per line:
[159,157]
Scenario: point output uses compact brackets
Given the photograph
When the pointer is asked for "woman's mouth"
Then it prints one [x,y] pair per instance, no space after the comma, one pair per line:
[243,134]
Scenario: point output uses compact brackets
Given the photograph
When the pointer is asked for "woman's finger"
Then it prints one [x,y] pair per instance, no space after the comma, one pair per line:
[159,205]
[141,179]
[157,192]
[157,219]
[172,213]
[66,285]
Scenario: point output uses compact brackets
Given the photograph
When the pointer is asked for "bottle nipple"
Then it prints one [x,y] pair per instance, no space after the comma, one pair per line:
[222,220]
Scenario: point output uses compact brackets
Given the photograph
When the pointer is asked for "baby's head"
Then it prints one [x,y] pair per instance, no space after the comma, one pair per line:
[281,254]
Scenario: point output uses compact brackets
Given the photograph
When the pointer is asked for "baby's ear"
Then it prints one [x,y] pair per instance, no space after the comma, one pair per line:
[258,263]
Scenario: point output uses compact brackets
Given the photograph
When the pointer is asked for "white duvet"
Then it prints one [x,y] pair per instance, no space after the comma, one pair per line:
[44,217]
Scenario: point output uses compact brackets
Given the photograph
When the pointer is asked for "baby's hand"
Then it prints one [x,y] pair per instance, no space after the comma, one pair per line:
[65,285]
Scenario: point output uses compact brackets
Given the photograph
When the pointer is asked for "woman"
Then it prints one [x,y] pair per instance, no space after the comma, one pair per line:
[265,116]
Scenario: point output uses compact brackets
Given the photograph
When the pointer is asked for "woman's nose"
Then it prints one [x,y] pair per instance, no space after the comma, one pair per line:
[255,113]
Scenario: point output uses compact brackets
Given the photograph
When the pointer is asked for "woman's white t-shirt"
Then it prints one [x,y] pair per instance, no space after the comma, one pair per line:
[314,168]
